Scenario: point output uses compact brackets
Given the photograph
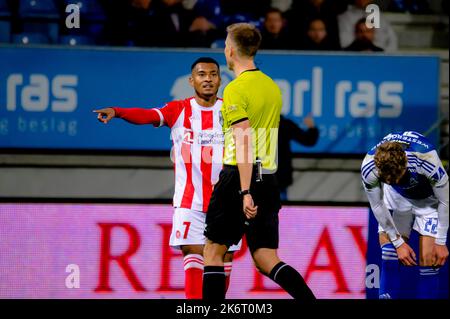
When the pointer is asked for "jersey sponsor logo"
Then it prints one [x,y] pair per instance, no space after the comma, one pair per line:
[210,138]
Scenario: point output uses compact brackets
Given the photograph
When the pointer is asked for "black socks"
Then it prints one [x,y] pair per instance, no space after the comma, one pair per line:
[291,281]
[213,283]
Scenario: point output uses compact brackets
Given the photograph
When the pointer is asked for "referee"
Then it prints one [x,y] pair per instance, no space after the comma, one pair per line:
[246,199]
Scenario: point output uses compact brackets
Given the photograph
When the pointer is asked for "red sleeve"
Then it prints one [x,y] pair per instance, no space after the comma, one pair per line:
[172,110]
[140,116]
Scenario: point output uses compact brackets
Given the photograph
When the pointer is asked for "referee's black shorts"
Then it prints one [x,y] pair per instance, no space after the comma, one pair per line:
[225,219]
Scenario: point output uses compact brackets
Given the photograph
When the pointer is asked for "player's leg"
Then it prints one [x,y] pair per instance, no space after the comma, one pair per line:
[214,279]
[391,268]
[187,235]
[425,224]
[193,270]
[224,227]
[428,285]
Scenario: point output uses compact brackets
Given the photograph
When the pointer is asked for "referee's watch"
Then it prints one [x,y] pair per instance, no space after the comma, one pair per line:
[244,192]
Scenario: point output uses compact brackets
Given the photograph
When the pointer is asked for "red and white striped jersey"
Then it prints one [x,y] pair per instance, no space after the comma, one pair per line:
[197,151]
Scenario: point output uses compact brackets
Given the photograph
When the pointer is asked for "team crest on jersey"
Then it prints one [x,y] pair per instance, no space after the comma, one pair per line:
[188,136]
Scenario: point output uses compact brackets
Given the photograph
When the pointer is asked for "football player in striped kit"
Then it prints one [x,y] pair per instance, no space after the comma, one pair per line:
[407,188]
[197,152]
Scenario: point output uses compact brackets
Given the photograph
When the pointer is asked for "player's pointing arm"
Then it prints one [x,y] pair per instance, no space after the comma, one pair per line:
[132,115]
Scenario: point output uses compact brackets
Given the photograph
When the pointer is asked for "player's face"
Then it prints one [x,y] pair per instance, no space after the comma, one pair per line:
[205,79]
[227,52]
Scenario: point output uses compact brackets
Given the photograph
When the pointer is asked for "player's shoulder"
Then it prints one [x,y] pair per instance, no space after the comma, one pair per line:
[232,85]
[179,103]
[367,164]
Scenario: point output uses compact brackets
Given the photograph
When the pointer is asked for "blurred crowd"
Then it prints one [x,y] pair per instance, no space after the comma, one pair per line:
[285,24]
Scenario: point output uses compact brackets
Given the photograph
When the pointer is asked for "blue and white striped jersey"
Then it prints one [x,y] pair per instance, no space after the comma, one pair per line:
[424,167]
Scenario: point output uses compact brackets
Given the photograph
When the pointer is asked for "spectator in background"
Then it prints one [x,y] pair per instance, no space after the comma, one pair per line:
[251,11]
[364,38]
[385,36]
[274,34]
[127,21]
[289,131]
[208,24]
[304,11]
[169,25]
[317,37]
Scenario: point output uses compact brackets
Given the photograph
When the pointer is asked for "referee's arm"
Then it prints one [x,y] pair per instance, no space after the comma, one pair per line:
[244,161]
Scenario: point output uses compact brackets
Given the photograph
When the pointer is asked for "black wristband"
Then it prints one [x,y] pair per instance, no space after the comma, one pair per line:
[244,192]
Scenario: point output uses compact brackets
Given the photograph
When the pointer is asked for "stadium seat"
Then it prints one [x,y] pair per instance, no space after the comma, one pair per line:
[30,38]
[4,8]
[74,40]
[89,9]
[39,17]
[5,31]
[38,9]
[218,44]
[92,23]
[5,23]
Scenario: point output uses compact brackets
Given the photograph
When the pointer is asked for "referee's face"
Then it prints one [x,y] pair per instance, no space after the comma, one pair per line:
[205,79]
[227,52]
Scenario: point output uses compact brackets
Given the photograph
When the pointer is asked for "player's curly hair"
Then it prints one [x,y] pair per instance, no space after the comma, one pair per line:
[391,161]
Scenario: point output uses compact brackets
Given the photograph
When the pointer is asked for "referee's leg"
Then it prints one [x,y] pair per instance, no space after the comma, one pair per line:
[268,263]
[214,272]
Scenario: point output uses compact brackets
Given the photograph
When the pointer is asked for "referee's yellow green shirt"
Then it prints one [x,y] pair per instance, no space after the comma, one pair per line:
[256,97]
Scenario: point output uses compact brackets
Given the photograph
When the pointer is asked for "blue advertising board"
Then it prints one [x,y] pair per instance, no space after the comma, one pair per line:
[47,95]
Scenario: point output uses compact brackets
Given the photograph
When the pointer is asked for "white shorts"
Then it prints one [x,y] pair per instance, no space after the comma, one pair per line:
[187,229]
[420,215]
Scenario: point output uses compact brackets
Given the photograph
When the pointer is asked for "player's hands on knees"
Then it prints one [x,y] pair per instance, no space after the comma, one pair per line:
[249,207]
[406,255]
[440,253]
[105,115]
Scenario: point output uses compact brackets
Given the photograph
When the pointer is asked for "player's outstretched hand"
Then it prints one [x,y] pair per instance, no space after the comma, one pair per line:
[406,255]
[440,254]
[105,115]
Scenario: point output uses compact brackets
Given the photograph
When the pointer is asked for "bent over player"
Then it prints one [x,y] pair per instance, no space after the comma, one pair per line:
[407,187]
[197,136]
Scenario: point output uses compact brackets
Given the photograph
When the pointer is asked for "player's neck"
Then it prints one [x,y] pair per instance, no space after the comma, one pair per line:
[204,101]
[243,65]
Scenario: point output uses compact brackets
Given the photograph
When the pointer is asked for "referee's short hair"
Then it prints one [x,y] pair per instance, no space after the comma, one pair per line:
[205,59]
[246,37]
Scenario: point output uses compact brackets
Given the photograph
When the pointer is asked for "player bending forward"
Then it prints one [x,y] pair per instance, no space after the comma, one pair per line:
[407,188]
